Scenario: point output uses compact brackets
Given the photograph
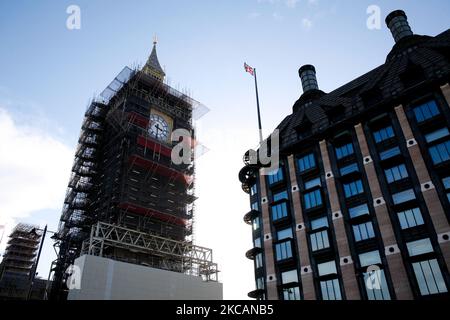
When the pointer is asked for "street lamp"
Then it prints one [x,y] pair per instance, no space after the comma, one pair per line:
[33,271]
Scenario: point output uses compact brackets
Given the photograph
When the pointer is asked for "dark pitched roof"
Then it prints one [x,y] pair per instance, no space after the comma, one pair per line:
[152,66]
[427,57]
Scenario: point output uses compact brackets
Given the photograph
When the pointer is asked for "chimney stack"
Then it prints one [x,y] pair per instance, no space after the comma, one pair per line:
[397,22]
[307,74]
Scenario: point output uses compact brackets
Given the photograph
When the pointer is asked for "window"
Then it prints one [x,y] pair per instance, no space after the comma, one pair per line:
[257,243]
[435,135]
[349,169]
[327,268]
[383,134]
[330,290]
[253,190]
[426,111]
[319,240]
[369,258]
[289,276]
[260,283]
[280,195]
[375,279]
[389,153]
[403,196]
[353,188]
[276,176]
[344,151]
[283,250]
[259,260]
[279,211]
[319,223]
[312,183]
[429,277]
[256,223]
[363,231]
[446,182]
[396,173]
[307,162]
[284,234]
[410,218]
[428,273]
[255,206]
[358,211]
[440,152]
[291,293]
[419,247]
[312,199]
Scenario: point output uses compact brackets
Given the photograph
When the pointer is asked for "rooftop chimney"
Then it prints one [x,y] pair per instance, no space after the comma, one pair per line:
[307,74]
[397,22]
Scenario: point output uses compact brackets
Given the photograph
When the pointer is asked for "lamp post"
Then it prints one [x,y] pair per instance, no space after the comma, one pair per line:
[33,271]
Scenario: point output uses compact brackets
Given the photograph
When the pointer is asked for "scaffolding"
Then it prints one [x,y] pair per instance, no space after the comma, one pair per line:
[19,260]
[124,177]
[178,256]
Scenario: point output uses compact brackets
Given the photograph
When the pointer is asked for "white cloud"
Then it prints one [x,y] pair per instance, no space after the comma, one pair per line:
[34,170]
[307,23]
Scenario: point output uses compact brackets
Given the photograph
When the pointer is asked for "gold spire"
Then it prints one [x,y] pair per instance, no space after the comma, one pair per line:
[152,67]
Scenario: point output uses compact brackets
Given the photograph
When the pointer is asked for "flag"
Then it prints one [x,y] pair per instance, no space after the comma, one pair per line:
[249,69]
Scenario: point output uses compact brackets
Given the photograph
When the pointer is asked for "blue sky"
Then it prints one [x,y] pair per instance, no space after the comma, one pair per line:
[49,73]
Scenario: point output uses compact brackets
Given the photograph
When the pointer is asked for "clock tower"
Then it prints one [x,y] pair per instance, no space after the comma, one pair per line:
[126,200]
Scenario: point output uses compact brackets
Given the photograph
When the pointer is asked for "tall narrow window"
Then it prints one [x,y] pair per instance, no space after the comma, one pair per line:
[440,153]
[396,173]
[276,176]
[374,278]
[330,289]
[426,111]
[353,188]
[307,162]
[260,283]
[312,199]
[259,261]
[410,218]
[344,151]
[319,239]
[383,134]
[283,250]
[446,182]
[279,211]
[253,190]
[427,271]
[363,231]
[280,196]
[256,223]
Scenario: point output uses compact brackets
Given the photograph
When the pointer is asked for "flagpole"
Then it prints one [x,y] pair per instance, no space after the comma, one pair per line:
[257,105]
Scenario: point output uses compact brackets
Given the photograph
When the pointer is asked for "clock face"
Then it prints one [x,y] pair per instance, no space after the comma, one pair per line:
[158,128]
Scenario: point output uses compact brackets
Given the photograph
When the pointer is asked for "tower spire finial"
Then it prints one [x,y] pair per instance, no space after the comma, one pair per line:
[152,67]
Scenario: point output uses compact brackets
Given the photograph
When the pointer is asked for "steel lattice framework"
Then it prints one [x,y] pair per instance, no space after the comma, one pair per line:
[192,259]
